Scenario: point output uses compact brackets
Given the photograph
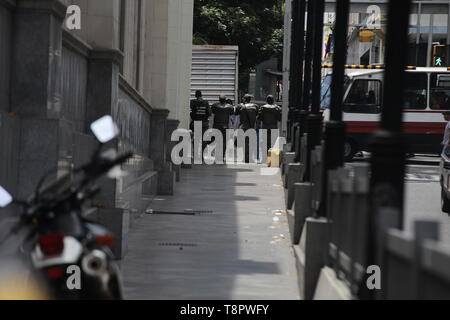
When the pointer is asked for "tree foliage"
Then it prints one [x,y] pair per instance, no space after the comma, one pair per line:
[256,26]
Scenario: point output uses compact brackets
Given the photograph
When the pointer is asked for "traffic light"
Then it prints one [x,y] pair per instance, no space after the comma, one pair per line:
[439,55]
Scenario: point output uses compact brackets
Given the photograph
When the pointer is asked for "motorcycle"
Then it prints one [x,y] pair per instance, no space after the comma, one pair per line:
[73,253]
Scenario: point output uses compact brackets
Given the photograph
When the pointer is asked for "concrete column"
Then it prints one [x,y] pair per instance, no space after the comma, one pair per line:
[158,137]
[35,88]
[36,58]
[158,151]
[167,57]
[103,83]
[102,96]
[172,125]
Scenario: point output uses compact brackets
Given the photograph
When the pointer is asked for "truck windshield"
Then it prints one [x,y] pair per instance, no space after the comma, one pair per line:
[364,97]
[325,91]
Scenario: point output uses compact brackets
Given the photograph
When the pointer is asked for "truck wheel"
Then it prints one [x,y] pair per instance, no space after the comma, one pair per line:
[350,149]
[445,202]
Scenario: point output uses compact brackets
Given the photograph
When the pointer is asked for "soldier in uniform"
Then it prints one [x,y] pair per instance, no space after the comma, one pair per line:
[269,115]
[200,111]
[248,113]
[222,112]
[234,120]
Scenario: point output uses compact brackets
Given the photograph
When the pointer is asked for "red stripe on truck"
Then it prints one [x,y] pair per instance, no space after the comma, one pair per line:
[409,127]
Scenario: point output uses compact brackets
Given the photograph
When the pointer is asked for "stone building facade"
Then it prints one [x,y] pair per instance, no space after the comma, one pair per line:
[130,59]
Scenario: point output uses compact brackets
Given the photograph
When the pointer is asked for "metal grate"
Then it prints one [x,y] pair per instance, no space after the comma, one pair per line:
[204,212]
[186,212]
[176,244]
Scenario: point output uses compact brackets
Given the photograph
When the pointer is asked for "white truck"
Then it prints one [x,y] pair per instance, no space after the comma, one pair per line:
[215,71]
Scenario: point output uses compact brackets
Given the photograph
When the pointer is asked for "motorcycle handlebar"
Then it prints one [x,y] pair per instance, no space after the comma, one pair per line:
[121,159]
[92,171]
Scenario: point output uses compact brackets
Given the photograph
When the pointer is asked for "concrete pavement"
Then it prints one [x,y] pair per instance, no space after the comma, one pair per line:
[224,235]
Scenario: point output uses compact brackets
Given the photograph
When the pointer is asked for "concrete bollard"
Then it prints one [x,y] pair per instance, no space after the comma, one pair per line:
[302,209]
[292,177]
[311,254]
[287,158]
[330,288]
[316,178]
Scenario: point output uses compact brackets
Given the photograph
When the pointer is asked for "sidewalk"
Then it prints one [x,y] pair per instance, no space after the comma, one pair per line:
[236,246]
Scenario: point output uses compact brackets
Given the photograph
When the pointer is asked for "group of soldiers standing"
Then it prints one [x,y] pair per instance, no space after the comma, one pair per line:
[251,115]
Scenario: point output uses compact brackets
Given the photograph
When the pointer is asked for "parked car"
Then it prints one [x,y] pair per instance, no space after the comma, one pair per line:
[445,183]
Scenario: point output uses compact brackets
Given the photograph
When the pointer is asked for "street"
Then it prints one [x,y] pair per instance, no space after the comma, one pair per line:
[422,198]
[224,235]
[423,193]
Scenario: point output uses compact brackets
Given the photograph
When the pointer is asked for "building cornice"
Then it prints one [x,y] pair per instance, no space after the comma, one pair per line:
[55,7]
[134,94]
[76,44]
[113,55]
[160,112]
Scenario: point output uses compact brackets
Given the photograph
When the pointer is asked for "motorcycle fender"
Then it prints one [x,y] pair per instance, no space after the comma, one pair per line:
[70,255]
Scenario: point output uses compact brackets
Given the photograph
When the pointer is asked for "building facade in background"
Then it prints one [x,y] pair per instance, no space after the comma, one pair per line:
[155,37]
[429,36]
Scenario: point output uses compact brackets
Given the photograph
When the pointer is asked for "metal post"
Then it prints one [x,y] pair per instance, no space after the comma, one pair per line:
[314,120]
[388,145]
[448,34]
[300,65]
[418,31]
[297,63]
[304,110]
[430,42]
[335,128]
[291,72]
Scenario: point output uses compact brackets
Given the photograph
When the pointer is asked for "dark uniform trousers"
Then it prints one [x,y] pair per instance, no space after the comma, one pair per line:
[248,113]
[222,113]
[269,116]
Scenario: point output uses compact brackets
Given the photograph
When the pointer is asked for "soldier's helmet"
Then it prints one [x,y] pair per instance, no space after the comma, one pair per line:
[247,98]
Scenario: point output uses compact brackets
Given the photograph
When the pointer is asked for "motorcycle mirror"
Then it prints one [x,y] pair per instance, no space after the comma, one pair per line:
[5,198]
[105,129]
